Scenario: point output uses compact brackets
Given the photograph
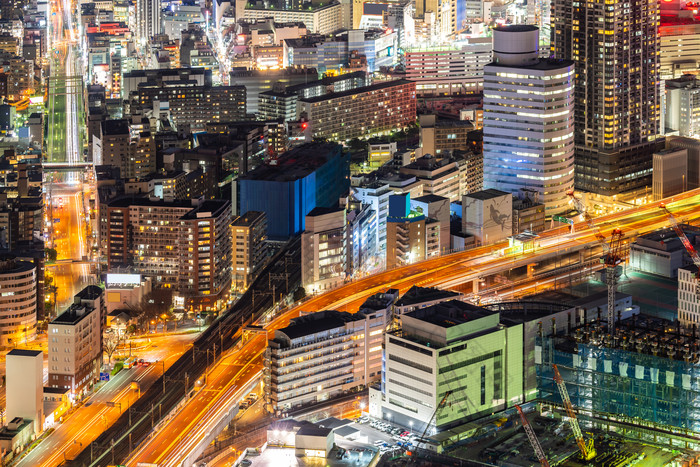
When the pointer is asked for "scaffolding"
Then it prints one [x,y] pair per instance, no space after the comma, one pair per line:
[627,379]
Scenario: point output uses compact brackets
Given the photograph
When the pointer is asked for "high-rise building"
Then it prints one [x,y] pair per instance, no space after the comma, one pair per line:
[688,300]
[148,19]
[178,245]
[528,119]
[615,47]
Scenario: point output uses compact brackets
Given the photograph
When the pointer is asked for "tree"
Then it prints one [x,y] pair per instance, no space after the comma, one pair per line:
[111,341]
[51,254]
[155,304]
[299,293]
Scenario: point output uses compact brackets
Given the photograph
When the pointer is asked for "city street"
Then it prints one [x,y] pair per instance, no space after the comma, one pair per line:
[227,383]
[89,420]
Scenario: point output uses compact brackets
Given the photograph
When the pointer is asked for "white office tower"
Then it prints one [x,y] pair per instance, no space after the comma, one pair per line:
[528,119]
[148,19]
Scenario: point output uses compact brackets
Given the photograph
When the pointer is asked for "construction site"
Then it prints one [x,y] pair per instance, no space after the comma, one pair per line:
[612,390]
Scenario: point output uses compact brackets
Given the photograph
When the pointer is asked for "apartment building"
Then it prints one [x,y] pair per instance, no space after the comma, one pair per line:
[180,245]
[18,301]
[194,105]
[448,70]
[75,348]
[377,109]
[324,249]
[249,247]
[322,355]
[322,19]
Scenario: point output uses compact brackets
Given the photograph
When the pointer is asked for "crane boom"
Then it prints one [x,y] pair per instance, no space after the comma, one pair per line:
[589,220]
[539,452]
[573,421]
[686,243]
[440,405]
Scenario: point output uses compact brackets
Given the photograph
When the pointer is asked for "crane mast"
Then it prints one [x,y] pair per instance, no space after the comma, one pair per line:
[586,452]
[539,452]
[612,258]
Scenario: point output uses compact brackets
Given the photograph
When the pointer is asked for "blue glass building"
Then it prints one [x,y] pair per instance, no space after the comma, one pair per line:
[309,176]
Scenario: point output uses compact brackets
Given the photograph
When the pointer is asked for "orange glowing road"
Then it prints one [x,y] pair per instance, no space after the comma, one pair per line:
[228,381]
[446,269]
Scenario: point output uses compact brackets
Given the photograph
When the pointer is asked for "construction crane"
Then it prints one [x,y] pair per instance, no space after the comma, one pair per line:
[539,452]
[587,451]
[439,407]
[612,257]
[686,243]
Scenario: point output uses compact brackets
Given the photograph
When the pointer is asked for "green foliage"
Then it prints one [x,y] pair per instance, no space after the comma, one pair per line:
[117,368]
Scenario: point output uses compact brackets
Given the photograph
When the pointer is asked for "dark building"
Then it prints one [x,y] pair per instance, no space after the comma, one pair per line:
[617,105]
[287,188]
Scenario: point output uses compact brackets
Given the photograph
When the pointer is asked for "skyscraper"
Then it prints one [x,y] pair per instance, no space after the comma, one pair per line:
[528,119]
[615,47]
[148,19]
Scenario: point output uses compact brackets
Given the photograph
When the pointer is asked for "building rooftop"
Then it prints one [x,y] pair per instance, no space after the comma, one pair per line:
[295,164]
[360,90]
[313,323]
[418,294]
[25,353]
[73,315]
[450,313]
[321,211]
[487,194]
[545,64]
[248,219]
[115,127]
[91,292]
[207,209]
[517,28]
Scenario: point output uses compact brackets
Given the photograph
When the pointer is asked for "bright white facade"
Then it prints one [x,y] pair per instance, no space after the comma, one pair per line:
[321,355]
[24,374]
[528,119]
[688,301]
[324,249]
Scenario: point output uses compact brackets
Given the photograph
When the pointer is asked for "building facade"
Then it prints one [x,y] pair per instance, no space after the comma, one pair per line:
[75,348]
[670,173]
[322,355]
[377,109]
[249,247]
[324,249]
[615,46]
[528,119]
[18,301]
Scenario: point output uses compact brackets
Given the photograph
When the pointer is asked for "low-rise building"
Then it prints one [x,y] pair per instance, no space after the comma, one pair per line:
[249,247]
[24,375]
[661,252]
[488,215]
[322,355]
[125,291]
[670,173]
[450,347]
[324,249]
[528,215]
[439,135]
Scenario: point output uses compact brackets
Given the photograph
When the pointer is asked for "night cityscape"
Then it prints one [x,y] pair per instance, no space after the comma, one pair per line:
[364,233]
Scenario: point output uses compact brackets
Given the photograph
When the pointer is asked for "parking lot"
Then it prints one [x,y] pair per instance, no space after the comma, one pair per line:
[385,436]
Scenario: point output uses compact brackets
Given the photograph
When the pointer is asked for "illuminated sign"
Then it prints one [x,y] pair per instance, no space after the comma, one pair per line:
[123,279]
[314,453]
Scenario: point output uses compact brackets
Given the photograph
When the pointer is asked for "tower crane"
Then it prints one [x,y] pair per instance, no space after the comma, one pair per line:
[612,257]
[686,243]
[439,407]
[539,452]
[587,452]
